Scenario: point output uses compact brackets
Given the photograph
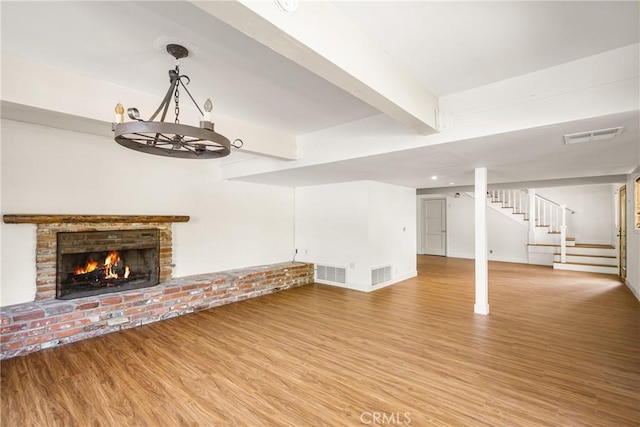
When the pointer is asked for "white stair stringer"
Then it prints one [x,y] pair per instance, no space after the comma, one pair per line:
[513,204]
[511,212]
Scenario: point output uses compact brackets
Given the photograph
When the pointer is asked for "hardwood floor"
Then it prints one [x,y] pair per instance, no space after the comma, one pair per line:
[559,348]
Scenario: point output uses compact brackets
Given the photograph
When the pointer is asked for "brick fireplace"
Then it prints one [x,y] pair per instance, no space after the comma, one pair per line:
[48,227]
[49,322]
[98,262]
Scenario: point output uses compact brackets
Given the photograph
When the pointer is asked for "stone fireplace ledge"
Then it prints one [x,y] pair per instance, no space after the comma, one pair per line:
[26,328]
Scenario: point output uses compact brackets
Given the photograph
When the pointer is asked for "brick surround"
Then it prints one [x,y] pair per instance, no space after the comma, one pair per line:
[46,249]
[26,328]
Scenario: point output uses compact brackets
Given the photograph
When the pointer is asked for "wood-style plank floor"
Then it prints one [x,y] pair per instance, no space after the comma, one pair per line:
[559,348]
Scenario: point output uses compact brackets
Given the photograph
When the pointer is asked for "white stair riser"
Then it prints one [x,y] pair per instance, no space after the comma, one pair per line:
[587,268]
[579,250]
[544,237]
[589,260]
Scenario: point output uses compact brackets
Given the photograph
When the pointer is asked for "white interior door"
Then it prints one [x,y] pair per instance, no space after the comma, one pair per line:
[434,235]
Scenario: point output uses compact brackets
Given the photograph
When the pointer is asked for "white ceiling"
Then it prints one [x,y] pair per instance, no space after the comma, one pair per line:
[449,46]
[530,155]
[116,42]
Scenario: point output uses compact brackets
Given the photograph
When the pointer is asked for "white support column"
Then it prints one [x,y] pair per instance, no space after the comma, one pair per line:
[482,262]
[532,216]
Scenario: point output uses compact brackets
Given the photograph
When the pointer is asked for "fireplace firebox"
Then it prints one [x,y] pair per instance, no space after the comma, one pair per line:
[98,262]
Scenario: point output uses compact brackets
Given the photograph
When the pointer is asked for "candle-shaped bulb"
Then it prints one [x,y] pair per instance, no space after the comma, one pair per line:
[119,113]
[208,106]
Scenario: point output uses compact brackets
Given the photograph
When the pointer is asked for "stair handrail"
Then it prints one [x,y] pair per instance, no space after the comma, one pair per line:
[554,203]
[561,227]
[550,201]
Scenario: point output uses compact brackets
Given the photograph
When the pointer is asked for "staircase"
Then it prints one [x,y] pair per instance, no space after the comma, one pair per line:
[549,243]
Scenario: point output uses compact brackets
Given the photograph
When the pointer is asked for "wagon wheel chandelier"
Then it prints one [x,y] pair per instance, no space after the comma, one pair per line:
[172,139]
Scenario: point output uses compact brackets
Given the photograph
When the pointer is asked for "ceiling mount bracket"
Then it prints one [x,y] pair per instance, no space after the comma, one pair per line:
[177,51]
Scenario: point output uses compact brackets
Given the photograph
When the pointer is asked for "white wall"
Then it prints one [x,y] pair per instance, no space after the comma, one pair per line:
[49,171]
[594,220]
[507,239]
[359,226]
[392,232]
[331,227]
[633,240]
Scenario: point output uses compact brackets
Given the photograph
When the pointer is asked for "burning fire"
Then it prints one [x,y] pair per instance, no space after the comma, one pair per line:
[110,267]
[89,267]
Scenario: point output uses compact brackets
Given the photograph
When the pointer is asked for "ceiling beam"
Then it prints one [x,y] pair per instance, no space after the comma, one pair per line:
[319,38]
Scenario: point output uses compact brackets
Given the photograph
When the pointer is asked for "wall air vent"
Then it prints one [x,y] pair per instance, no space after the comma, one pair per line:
[333,274]
[380,275]
[593,135]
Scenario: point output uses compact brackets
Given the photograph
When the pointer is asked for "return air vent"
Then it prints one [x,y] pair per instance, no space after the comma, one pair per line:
[331,274]
[593,135]
[380,275]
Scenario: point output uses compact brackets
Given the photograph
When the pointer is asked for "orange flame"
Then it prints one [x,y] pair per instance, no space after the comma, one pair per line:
[89,267]
[109,263]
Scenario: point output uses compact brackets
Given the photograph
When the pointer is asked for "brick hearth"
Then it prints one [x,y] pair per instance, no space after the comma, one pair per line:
[48,322]
[30,327]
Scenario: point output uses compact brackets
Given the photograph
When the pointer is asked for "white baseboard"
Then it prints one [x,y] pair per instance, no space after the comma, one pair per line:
[491,258]
[635,292]
[481,309]
[461,255]
[367,288]
[517,260]
[352,286]
[393,281]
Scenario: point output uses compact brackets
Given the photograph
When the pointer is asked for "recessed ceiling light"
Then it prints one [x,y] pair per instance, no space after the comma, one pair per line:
[452,183]
[434,177]
[593,135]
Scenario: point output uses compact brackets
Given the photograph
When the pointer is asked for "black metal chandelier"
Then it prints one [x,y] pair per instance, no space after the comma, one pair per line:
[172,139]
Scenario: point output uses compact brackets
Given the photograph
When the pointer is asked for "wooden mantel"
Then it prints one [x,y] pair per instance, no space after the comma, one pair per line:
[72,219]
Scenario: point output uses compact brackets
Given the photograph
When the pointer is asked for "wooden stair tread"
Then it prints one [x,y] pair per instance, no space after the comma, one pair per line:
[593,245]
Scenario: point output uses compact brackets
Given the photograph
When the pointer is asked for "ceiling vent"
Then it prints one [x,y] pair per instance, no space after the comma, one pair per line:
[593,135]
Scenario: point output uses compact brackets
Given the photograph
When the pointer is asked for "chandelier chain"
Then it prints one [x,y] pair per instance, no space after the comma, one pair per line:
[177,97]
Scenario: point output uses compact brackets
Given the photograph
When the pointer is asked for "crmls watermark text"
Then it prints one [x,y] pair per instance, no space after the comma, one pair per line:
[385,418]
